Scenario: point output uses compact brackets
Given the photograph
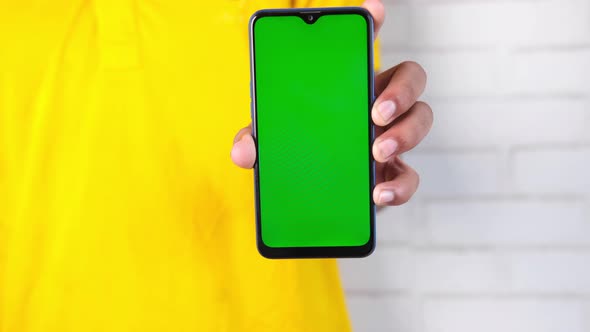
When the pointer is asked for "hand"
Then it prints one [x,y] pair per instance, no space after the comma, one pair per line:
[401,123]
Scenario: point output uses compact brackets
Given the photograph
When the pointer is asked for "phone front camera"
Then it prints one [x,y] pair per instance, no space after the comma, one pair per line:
[310,18]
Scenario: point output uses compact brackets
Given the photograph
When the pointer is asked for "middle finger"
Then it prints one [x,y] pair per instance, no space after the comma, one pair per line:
[405,133]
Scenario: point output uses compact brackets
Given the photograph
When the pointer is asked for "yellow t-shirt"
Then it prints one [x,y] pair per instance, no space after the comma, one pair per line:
[119,207]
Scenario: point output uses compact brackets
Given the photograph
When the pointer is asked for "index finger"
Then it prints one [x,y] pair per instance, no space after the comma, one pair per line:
[377,10]
[398,88]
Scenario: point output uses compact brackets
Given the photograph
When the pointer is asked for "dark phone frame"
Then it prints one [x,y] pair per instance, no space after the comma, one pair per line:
[315,252]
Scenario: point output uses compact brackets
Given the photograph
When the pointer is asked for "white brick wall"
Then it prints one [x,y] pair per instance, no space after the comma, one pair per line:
[553,170]
[483,122]
[503,314]
[493,23]
[449,173]
[376,273]
[389,313]
[508,222]
[498,237]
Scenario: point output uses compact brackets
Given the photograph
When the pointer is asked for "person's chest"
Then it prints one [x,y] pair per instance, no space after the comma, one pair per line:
[152,85]
[187,61]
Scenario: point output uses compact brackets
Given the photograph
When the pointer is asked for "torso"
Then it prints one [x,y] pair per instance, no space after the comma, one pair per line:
[119,207]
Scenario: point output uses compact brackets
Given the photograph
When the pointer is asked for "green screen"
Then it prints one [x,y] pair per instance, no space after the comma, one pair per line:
[312,113]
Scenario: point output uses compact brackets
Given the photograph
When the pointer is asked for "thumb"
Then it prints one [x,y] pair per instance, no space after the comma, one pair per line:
[243,152]
[377,10]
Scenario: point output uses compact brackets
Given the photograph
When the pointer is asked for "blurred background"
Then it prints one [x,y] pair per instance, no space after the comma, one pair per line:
[498,237]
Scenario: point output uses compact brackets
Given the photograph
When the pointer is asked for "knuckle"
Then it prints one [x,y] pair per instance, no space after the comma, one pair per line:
[416,177]
[407,136]
[403,196]
[407,190]
[412,174]
[404,141]
[427,116]
[405,95]
[409,63]
[414,67]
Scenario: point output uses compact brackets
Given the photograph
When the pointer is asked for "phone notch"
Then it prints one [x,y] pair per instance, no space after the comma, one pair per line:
[310,17]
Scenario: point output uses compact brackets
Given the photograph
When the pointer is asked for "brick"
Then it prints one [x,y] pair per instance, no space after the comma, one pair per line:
[493,24]
[498,237]
[387,269]
[539,315]
[551,272]
[554,170]
[547,72]
[395,30]
[460,272]
[394,224]
[507,223]
[476,73]
[488,123]
[456,173]
[380,314]
[456,74]
[587,315]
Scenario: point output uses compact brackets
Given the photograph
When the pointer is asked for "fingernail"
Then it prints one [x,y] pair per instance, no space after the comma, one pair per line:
[387,148]
[386,110]
[385,196]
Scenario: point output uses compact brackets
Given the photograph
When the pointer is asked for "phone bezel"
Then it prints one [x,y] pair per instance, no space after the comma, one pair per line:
[315,252]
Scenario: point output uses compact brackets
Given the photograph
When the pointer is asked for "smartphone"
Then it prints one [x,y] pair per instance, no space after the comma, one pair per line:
[312,91]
